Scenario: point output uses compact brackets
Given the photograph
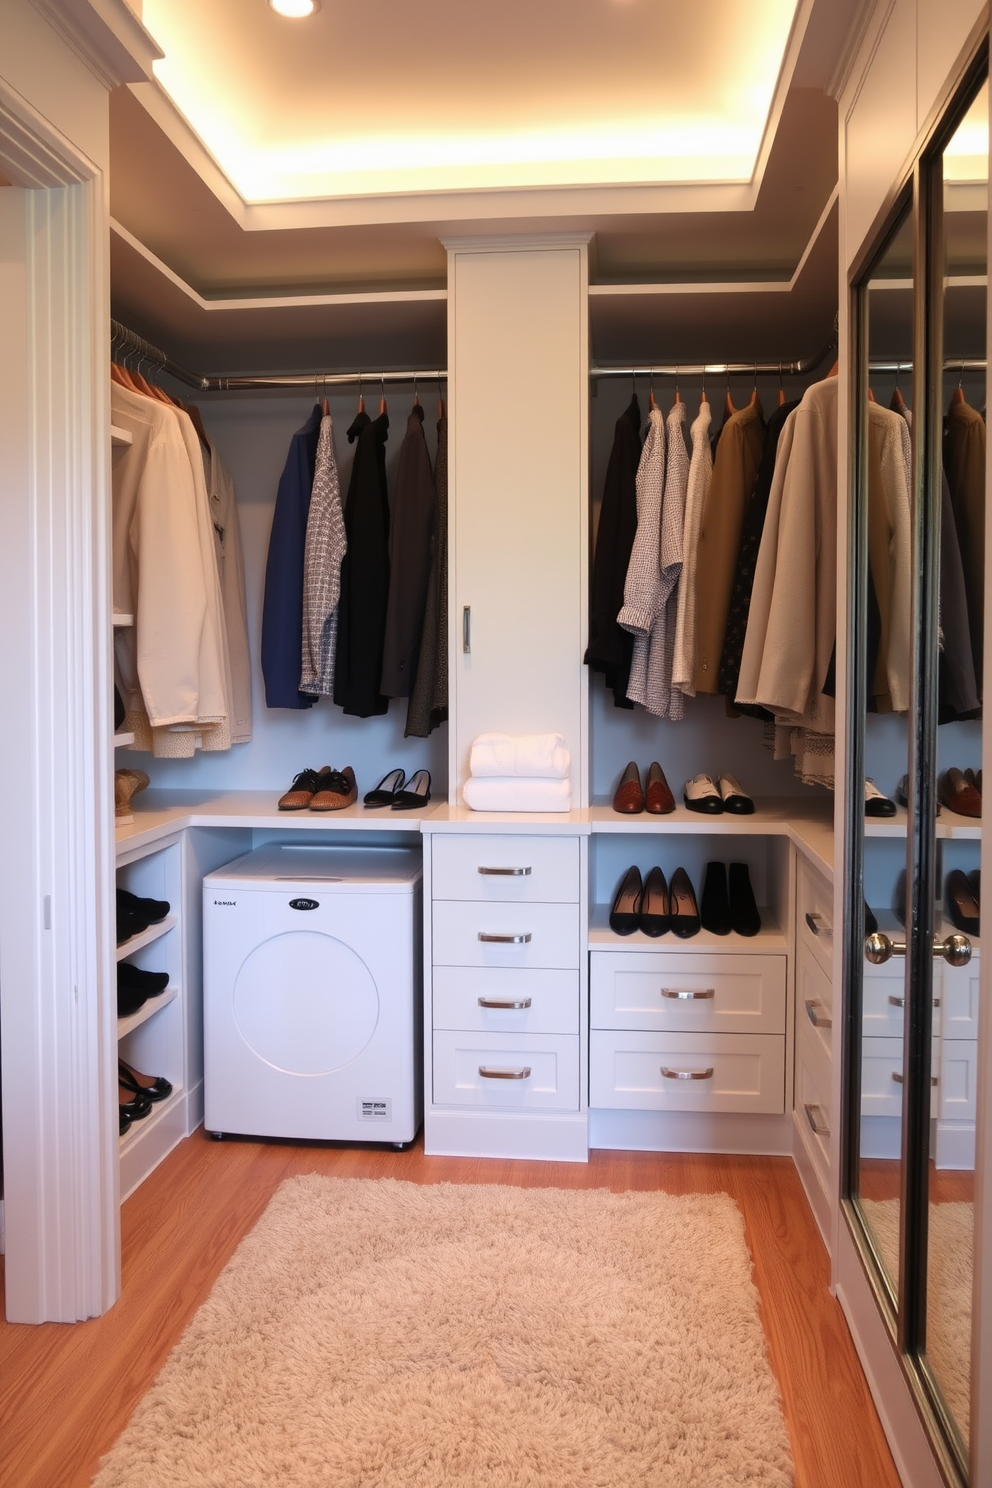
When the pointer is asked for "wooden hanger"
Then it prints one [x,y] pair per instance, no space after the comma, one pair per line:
[781,389]
[678,395]
[958,394]
[193,414]
[898,404]
[382,399]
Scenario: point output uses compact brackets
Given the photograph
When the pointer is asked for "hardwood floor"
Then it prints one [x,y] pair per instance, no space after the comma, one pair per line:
[67,1391]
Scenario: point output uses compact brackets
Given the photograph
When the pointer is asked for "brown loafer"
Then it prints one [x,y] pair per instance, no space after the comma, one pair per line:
[338,790]
[629,796]
[957,794]
[658,797]
[303,789]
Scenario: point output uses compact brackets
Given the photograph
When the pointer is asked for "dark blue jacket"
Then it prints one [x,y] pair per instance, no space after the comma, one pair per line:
[282,610]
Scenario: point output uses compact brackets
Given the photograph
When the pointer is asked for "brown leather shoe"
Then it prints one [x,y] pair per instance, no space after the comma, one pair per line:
[658,797]
[957,794]
[303,788]
[339,789]
[629,796]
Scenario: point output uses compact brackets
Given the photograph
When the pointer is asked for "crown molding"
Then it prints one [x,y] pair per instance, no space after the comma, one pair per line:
[106,35]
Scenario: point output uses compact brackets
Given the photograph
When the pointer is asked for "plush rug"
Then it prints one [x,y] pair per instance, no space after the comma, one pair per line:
[950,1261]
[379,1334]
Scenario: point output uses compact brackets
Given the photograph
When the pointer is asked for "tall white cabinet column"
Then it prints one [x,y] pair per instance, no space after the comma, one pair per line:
[518,335]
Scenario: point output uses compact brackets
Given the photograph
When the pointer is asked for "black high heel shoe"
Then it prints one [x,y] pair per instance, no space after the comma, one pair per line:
[685,910]
[962,903]
[715,910]
[625,916]
[148,1087]
[415,794]
[385,792]
[656,906]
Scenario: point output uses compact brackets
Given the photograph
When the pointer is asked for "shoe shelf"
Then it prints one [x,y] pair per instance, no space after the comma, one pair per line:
[138,942]
[120,438]
[159,1113]
[147,1010]
[122,621]
[769,940]
[950,826]
[122,740]
[148,1141]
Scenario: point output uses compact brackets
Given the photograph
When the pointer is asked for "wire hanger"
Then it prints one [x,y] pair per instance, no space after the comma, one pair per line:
[898,403]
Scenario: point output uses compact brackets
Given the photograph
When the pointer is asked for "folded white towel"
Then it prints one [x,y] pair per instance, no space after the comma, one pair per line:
[517,793]
[542,755]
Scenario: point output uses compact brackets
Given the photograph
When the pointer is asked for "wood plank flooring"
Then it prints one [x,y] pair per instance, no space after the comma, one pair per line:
[67,1391]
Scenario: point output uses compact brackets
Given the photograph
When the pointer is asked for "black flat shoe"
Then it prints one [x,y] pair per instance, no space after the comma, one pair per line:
[975,880]
[152,910]
[385,792]
[124,1121]
[744,916]
[625,916]
[137,1107]
[714,914]
[135,986]
[962,906]
[685,911]
[149,1087]
[655,904]
[415,794]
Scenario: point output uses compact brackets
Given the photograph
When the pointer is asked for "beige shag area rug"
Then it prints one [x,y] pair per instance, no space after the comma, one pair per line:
[950,1263]
[379,1334]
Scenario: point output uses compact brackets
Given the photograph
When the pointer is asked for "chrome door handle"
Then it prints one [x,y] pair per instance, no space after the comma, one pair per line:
[504,872]
[879,948]
[686,995]
[814,1115]
[670,1074]
[817,923]
[506,1003]
[467,629]
[505,1074]
[901,1001]
[505,939]
[818,1019]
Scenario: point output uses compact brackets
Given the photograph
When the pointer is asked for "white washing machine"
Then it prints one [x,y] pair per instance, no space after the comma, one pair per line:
[312,994]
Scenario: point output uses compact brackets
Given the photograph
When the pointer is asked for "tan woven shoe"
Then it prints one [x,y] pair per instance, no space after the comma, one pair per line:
[338,791]
[302,790]
[127,783]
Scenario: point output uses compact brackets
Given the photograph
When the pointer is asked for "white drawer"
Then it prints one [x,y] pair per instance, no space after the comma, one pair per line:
[813,1107]
[504,868]
[815,914]
[684,992]
[959,999]
[521,935]
[883,995]
[814,1002]
[956,1088]
[508,1072]
[882,1075]
[735,1072]
[495,1001]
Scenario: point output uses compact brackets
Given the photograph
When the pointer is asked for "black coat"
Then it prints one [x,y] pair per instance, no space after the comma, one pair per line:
[411,532]
[610,647]
[364,574]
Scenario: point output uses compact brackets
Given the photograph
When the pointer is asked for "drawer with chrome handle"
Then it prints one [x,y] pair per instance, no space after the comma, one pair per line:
[715,992]
[725,1072]
[509,935]
[817,1015]
[814,928]
[817,1119]
[489,998]
[508,1071]
[515,869]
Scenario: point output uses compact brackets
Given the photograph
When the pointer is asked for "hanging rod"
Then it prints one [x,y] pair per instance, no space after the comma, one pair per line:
[801,368]
[951,364]
[127,342]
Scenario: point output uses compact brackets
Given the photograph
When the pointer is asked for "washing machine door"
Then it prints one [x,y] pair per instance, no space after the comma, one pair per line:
[305,1003]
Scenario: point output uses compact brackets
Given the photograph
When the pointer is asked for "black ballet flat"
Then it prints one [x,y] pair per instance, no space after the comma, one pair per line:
[415,794]
[149,1087]
[655,916]
[385,792]
[685,910]
[625,916]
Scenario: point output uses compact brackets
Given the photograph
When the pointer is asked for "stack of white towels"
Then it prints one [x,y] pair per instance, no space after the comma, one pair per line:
[519,772]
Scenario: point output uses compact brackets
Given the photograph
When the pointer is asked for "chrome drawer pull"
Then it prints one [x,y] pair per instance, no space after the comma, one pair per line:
[901,1001]
[814,1115]
[817,923]
[504,872]
[494,1002]
[670,1074]
[817,1018]
[505,1074]
[899,1077]
[505,939]
[685,996]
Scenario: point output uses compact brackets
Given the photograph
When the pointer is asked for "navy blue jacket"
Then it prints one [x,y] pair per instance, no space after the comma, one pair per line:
[282,609]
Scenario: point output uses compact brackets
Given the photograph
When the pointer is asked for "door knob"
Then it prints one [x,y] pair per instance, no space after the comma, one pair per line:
[879,948]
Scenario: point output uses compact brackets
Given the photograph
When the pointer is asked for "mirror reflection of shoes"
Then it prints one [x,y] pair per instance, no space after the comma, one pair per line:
[958,794]
[875,803]
[871,923]
[962,905]
[628,798]
[902,794]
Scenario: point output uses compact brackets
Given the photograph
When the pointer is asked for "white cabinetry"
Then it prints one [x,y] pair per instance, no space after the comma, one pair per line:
[815,1014]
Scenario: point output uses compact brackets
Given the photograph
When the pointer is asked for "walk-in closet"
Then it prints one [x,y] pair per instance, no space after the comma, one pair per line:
[207,307]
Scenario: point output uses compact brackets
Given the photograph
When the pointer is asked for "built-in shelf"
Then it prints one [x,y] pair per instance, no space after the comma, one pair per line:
[121,620]
[119,438]
[147,1010]
[950,826]
[146,1124]
[122,740]
[769,939]
[154,932]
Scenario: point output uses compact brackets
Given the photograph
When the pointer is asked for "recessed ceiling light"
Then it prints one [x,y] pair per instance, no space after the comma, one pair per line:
[295,9]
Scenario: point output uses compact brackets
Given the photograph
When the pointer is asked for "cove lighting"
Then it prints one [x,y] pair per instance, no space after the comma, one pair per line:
[295,9]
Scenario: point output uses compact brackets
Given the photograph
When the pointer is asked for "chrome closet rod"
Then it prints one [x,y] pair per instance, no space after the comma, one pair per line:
[951,364]
[801,368]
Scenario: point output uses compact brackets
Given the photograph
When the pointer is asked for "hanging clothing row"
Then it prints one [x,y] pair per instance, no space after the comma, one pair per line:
[355,604]
[183,667]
